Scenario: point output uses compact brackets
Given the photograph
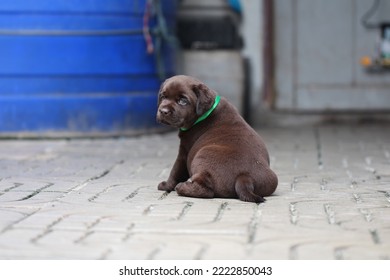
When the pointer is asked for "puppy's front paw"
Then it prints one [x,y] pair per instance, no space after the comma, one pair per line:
[164,186]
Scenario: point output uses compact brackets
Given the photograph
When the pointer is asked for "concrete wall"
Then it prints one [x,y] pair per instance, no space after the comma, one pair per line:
[318,48]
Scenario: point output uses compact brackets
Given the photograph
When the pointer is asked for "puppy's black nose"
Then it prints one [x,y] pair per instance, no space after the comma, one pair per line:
[164,111]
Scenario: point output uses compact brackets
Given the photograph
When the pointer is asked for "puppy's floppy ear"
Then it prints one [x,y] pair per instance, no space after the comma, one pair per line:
[205,97]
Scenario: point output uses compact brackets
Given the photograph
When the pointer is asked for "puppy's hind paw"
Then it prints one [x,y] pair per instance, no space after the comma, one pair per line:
[193,189]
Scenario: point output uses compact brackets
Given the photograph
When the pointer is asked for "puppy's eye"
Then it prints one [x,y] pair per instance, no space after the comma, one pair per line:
[162,97]
[183,101]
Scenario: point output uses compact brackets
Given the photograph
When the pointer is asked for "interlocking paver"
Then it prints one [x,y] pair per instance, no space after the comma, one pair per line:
[98,199]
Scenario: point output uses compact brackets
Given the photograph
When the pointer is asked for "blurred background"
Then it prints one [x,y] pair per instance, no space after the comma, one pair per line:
[93,67]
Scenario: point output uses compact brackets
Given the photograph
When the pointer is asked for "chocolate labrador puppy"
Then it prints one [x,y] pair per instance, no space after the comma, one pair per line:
[220,155]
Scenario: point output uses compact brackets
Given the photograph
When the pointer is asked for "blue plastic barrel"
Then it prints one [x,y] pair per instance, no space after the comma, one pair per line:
[83,66]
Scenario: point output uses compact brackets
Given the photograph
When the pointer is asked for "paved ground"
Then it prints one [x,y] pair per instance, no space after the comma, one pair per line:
[97,199]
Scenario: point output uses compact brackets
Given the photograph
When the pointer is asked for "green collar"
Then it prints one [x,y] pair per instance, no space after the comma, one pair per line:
[205,115]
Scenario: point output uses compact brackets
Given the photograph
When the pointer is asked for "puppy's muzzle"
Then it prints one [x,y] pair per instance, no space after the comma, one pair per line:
[164,111]
[165,115]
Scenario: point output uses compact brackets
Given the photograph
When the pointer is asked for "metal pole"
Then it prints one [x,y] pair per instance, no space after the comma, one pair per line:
[268,53]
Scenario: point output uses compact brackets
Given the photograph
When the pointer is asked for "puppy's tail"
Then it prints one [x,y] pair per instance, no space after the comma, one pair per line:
[245,189]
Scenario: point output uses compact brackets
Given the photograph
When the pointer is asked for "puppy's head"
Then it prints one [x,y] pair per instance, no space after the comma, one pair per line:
[182,100]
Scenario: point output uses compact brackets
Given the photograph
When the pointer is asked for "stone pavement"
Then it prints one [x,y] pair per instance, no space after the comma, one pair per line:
[98,199]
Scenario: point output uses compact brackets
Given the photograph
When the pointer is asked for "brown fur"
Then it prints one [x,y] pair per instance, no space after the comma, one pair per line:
[221,156]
